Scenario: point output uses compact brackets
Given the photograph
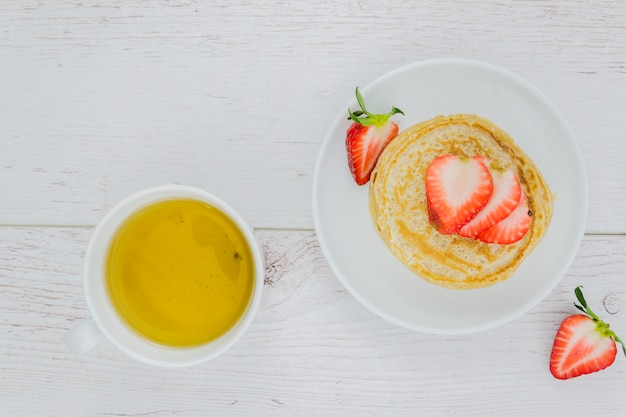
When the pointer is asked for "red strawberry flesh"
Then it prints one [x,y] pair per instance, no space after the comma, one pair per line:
[456,190]
[366,139]
[506,195]
[583,343]
[579,348]
[364,145]
[511,229]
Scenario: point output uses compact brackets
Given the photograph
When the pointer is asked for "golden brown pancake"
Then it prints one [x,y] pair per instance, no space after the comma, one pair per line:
[400,212]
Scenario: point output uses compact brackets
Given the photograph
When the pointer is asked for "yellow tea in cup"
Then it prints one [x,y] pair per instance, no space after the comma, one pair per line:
[180,272]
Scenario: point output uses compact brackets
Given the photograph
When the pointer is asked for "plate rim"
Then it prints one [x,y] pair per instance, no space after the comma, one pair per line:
[581,218]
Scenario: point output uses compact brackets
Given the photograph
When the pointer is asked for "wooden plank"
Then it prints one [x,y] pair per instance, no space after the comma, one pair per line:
[312,350]
[99,100]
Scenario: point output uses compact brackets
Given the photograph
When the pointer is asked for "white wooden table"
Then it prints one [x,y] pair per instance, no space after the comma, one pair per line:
[101,99]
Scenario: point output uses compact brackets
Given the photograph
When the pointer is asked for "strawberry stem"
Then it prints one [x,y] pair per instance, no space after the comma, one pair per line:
[603,327]
[370,119]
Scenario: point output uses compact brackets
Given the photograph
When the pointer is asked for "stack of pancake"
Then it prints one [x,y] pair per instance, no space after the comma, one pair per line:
[399,207]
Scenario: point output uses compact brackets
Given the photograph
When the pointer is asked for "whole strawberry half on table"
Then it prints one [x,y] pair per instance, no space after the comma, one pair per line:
[366,138]
[583,343]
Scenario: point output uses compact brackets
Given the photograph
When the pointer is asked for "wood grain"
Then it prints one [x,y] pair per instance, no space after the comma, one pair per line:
[103,99]
[312,350]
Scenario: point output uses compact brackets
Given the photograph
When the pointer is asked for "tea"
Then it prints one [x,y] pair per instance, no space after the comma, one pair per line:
[180,272]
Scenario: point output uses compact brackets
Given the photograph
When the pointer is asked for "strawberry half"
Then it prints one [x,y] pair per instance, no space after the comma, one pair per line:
[506,195]
[583,344]
[510,229]
[456,189]
[366,138]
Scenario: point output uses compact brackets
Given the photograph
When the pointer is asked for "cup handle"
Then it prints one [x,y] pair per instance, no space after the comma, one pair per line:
[83,337]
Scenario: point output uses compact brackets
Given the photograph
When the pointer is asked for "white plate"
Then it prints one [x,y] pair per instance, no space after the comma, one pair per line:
[359,257]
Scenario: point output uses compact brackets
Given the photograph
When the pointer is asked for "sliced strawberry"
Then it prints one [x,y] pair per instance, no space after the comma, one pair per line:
[506,195]
[456,189]
[364,145]
[583,344]
[579,348]
[510,229]
[366,138]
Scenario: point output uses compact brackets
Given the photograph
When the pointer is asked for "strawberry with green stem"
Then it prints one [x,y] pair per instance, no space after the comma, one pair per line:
[366,138]
[583,343]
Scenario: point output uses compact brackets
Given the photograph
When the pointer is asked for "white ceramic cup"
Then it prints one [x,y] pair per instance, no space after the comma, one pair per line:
[105,322]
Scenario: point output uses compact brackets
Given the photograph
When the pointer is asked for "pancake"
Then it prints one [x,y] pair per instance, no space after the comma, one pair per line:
[399,209]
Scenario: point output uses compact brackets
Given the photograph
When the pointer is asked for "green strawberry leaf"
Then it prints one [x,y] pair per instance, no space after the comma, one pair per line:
[366,118]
